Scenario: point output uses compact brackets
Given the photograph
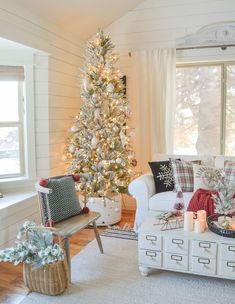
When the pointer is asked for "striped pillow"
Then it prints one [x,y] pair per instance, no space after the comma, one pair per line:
[183,175]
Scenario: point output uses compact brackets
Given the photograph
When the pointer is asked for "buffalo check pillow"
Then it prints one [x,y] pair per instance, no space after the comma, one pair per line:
[183,174]
[229,169]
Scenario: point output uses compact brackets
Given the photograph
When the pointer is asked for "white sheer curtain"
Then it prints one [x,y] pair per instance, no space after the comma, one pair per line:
[153,95]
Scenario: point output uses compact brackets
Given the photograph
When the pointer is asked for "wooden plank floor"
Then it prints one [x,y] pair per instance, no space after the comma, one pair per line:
[12,289]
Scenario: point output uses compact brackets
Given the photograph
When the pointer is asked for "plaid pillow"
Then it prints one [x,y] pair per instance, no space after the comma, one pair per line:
[229,169]
[183,174]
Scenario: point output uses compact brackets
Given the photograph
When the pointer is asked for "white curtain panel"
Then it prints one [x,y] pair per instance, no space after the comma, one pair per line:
[153,73]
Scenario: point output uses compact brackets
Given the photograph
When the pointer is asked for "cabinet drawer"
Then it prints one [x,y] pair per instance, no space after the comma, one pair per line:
[176,261]
[204,249]
[176,245]
[150,257]
[227,268]
[204,265]
[227,252]
[148,241]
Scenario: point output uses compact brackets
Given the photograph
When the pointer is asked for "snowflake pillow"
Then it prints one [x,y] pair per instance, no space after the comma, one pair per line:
[206,177]
[162,175]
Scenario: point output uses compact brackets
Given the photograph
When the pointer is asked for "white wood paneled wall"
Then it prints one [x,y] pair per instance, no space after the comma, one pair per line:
[158,23]
[57,64]
[56,92]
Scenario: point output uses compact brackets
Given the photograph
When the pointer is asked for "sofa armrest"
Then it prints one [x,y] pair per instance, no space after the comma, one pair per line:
[142,188]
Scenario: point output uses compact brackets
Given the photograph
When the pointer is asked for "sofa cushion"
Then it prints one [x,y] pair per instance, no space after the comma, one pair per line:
[162,175]
[183,175]
[165,201]
[205,177]
[229,169]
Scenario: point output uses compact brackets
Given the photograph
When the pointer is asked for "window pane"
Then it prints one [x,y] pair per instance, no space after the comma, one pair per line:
[9,151]
[198,107]
[9,101]
[230,112]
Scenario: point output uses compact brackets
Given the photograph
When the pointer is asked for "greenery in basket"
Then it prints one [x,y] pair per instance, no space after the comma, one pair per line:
[36,248]
[224,202]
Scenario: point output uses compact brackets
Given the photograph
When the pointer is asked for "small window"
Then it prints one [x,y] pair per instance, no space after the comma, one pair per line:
[11,122]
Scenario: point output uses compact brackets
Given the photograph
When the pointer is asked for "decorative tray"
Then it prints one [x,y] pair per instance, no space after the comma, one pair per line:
[213,226]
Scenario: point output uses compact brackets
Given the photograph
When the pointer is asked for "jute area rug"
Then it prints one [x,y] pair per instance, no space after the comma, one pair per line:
[114,278]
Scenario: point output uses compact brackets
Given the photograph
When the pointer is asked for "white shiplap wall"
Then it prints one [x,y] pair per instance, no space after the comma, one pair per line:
[56,87]
[158,23]
[57,64]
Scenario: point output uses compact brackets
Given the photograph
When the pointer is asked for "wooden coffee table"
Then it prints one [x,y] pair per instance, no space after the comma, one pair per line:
[205,253]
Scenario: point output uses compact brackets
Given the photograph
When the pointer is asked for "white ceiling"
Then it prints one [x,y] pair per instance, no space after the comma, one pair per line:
[80,17]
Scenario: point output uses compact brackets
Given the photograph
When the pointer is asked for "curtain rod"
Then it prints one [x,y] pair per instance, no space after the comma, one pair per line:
[222,46]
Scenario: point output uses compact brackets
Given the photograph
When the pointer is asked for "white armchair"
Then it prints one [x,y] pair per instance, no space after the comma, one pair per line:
[142,188]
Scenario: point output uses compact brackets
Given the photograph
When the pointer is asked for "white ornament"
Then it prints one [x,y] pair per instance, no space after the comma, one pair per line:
[123,138]
[110,88]
[94,142]
[64,158]
[85,83]
[118,160]
[74,129]
[97,113]
[71,148]
[116,209]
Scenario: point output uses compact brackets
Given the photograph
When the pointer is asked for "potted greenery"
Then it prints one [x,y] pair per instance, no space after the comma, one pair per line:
[224,201]
[45,268]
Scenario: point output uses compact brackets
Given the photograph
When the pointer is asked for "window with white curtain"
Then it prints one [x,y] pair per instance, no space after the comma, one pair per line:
[12,139]
[205,109]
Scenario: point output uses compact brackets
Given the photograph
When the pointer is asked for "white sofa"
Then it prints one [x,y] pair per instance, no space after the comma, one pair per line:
[143,188]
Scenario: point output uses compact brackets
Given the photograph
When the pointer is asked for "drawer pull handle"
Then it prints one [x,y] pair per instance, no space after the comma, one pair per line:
[176,258]
[231,248]
[151,238]
[204,245]
[204,261]
[231,264]
[151,253]
[177,242]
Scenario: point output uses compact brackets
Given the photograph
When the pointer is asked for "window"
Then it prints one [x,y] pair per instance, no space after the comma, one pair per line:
[12,162]
[205,109]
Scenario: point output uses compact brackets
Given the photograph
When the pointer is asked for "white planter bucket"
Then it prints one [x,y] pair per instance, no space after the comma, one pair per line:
[109,208]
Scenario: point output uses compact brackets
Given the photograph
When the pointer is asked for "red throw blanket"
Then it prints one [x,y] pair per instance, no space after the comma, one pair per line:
[202,200]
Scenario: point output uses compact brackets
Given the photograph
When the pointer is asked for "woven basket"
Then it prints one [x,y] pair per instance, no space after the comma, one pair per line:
[50,279]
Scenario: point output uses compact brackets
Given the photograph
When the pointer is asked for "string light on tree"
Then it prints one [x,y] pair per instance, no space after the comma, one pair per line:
[99,147]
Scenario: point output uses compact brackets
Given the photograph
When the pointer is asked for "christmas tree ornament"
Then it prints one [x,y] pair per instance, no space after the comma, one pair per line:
[94,142]
[110,88]
[74,129]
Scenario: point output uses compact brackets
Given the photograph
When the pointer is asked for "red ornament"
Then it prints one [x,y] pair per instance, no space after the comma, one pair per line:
[76,177]
[43,182]
[85,210]
[179,206]
[50,223]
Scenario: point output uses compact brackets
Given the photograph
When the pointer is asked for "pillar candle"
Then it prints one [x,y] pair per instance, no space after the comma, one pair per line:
[199,226]
[201,215]
[188,221]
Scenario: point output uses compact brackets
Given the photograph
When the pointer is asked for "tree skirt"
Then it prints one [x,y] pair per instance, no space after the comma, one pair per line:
[113,277]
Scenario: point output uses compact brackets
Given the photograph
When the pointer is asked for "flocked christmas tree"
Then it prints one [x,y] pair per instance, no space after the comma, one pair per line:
[99,147]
